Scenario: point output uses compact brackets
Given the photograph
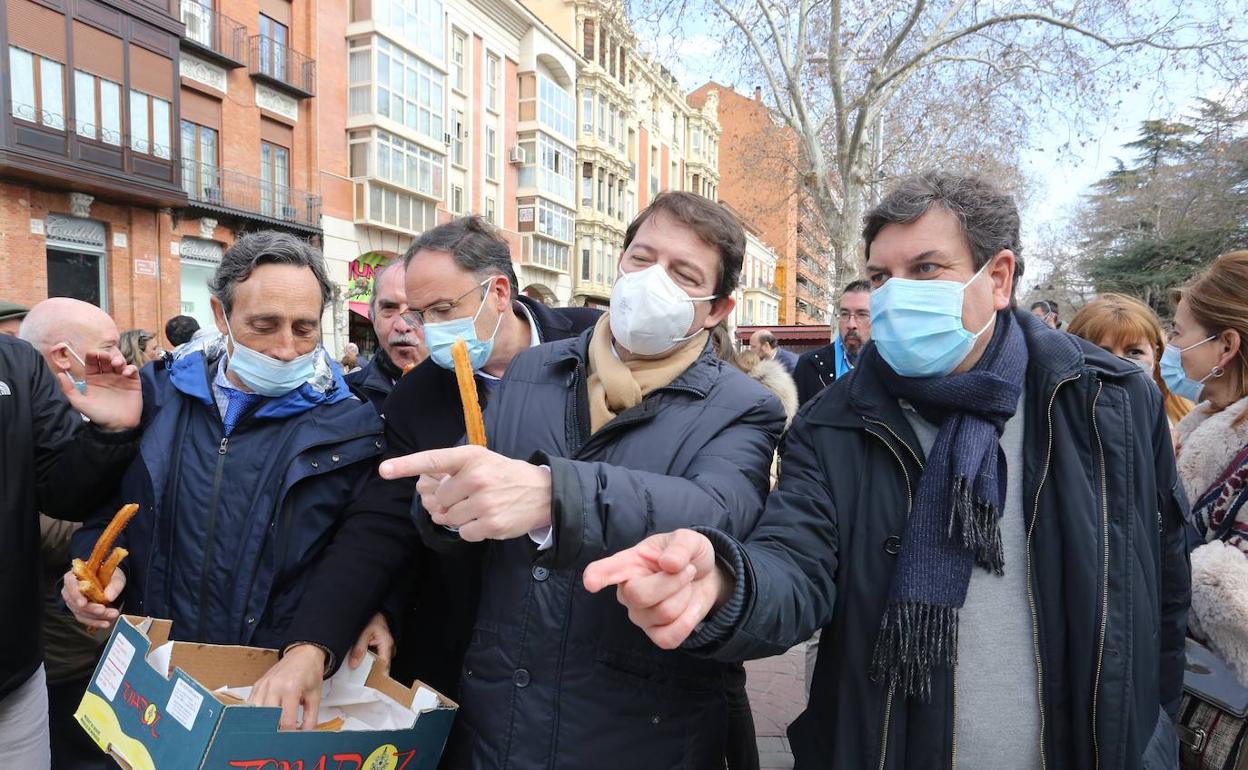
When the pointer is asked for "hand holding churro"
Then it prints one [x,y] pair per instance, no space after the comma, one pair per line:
[95,574]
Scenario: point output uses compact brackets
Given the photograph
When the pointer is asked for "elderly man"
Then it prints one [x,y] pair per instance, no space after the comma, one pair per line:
[765,346]
[252,448]
[56,462]
[401,345]
[984,516]
[56,328]
[818,368]
[11,315]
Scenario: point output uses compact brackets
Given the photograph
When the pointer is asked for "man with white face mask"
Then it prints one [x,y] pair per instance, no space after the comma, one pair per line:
[595,442]
[982,516]
[252,447]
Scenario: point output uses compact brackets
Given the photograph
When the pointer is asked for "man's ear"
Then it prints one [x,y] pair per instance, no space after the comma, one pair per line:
[1001,273]
[60,356]
[218,315]
[720,309]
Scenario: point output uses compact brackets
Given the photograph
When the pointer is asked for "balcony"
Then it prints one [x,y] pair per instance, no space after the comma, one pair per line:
[214,35]
[222,190]
[282,66]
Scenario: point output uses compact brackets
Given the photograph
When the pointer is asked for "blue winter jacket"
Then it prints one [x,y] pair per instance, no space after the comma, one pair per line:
[228,526]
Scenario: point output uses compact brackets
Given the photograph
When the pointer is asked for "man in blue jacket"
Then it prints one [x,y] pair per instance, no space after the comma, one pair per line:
[984,517]
[252,446]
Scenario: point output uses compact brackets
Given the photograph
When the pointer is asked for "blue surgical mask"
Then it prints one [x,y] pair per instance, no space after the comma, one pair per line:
[917,325]
[439,337]
[79,385]
[1176,379]
[266,375]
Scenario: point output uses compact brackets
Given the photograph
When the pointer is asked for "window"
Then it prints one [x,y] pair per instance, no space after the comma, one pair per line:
[551,255]
[418,22]
[587,185]
[274,37]
[587,111]
[611,195]
[491,82]
[611,125]
[602,189]
[491,153]
[550,167]
[457,199]
[459,76]
[457,137]
[409,91]
[602,116]
[585,259]
[599,273]
[199,162]
[697,142]
[275,181]
[360,78]
[590,35]
[556,108]
[407,164]
[490,209]
[38,94]
[399,209]
[554,221]
[97,108]
[150,125]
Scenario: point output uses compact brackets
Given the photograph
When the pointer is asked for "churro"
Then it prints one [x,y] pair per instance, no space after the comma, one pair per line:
[473,422]
[95,573]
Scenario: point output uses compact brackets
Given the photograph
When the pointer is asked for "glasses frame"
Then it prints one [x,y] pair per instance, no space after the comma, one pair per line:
[416,318]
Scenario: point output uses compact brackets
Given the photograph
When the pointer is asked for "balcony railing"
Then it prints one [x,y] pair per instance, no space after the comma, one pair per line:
[219,188]
[213,33]
[283,66]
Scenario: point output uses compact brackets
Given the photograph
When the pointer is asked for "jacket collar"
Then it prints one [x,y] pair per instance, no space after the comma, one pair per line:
[698,378]
[547,320]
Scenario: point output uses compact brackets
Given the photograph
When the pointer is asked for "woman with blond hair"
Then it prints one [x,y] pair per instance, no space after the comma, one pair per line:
[139,346]
[1130,329]
[1207,362]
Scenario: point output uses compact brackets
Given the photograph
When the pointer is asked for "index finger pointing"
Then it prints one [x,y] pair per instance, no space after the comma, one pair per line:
[614,570]
[440,461]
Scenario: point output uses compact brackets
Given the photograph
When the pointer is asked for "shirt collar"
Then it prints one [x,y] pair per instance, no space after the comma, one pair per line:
[535,337]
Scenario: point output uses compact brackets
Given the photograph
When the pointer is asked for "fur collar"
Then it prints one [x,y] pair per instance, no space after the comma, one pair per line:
[772,375]
[1208,442]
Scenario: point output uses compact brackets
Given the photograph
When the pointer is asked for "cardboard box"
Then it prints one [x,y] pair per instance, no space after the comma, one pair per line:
[159,712]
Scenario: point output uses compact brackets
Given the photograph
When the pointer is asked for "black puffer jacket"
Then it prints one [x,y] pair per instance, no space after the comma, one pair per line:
[556,677]
[51,461]
[1108,582]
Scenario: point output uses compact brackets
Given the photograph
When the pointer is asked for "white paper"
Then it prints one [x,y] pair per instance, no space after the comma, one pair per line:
[113,670]
[184,703]
[361,707]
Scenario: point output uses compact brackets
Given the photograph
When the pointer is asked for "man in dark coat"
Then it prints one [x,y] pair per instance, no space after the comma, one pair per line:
[984,518]
[459,270]
[252,449]
[51,460]
[595,442]
[817,369]
[399,345]
[767,347]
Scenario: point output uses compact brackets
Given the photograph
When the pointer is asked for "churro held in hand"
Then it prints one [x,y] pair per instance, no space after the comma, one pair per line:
[473,421]
[95,573]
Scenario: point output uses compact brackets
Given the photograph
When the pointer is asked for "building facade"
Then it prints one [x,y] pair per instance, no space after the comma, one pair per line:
[757,296]
[762,179]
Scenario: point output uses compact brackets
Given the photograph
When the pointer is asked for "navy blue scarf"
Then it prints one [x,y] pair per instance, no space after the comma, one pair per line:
[954,523]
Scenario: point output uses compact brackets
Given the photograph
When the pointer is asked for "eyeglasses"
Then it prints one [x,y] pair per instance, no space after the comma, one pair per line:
[861,316]
[439,311]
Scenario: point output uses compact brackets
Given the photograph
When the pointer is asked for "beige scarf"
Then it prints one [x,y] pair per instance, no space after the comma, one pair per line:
[615,386]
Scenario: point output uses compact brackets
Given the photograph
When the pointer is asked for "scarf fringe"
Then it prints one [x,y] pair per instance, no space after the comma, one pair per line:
[980,525]
[914,639]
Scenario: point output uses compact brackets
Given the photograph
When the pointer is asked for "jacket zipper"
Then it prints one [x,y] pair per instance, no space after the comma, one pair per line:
[212,533]
[888,701]
[1100,653]
[1031,594]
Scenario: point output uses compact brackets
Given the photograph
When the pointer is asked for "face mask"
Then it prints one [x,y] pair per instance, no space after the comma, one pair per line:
[1176,378]
[439,337]
[917,325]
[266,375]
[650,314]
[79,385]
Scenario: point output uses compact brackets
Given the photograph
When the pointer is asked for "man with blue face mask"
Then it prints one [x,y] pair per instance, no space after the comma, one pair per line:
[983,517]
[252,447]
[596,441]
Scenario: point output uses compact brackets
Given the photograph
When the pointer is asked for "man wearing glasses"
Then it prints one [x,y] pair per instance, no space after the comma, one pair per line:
[819,368]
[459,283]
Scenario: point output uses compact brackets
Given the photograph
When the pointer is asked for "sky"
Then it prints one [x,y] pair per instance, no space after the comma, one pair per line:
[1061,175]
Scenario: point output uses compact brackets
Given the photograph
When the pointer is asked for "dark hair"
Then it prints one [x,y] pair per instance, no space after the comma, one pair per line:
[1047,305]
[714,224]
[180,329]
[856,287]
[987,217]
[474,245]
[768,339]
[266,247]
